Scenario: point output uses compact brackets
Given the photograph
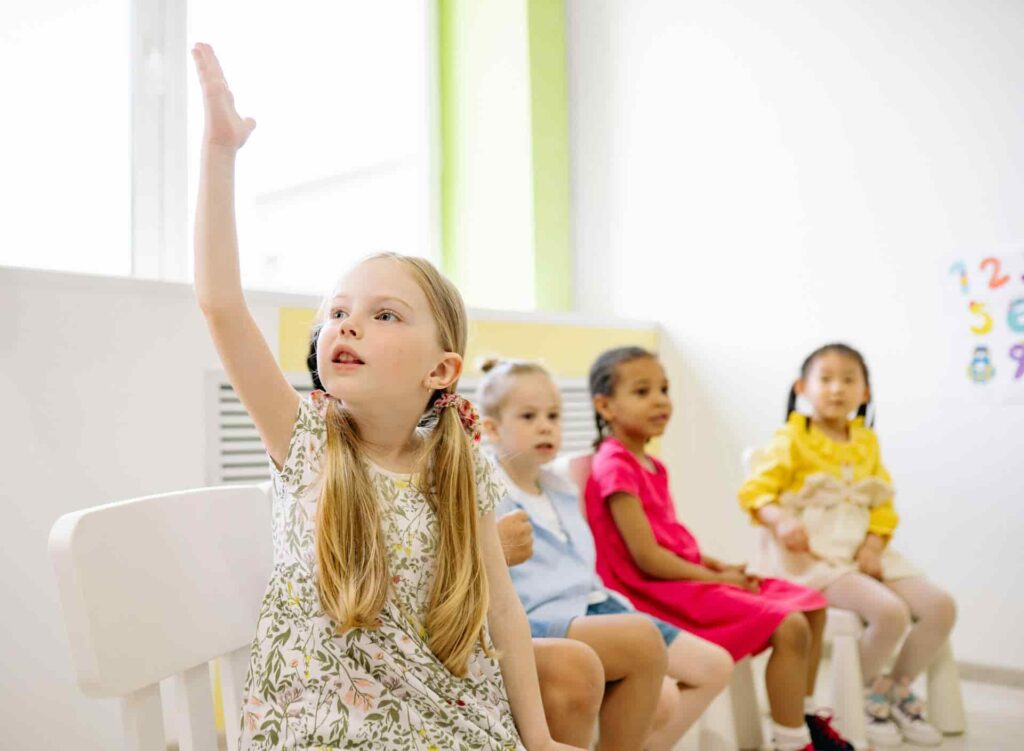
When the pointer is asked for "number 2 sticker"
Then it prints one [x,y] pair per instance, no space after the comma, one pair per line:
[997,279]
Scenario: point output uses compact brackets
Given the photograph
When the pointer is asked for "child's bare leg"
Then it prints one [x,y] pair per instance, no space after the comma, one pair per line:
[697,672]
[571,688]
[633,655]
[816,620]
[786,674]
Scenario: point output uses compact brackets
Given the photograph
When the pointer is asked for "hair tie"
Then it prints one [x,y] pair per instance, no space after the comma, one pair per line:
[468,415]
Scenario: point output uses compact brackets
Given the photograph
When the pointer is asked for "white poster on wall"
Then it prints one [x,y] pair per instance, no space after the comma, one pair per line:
[986,314]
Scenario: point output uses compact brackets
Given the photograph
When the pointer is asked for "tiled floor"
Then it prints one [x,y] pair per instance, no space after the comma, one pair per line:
[995,721]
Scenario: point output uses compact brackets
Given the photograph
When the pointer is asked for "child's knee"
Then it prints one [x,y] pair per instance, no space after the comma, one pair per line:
[645,643]
[943,611]
[577,686]
[793,634]
[893,617]
[720,667]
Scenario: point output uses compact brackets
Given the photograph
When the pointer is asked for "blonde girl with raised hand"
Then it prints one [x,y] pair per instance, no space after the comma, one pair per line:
[824,500]
[660,678]
[390,621]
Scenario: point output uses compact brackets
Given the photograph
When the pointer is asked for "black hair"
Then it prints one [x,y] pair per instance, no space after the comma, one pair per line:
[604,376]
[311,361]
[842,349]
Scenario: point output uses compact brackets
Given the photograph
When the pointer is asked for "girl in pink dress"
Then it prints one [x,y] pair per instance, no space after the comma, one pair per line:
[644,552]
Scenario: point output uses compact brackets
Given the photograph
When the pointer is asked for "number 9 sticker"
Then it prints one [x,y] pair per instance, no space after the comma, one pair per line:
[1015,315]
[1017,353]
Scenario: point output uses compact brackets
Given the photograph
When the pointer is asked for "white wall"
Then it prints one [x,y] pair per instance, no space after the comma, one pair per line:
[101,399]
[765,177]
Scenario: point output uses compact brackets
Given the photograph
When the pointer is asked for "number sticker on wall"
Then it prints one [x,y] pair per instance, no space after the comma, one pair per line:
[1015,315]
[1017,353]
[960,270]
[997,279]
[985,325]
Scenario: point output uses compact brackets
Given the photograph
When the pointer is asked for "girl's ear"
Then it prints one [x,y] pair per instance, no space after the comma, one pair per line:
[445,373]
[867,395]
[601,404]
[490,429]
[798,386]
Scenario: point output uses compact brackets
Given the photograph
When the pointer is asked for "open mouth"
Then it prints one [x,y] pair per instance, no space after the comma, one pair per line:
[345,356]
[545,447]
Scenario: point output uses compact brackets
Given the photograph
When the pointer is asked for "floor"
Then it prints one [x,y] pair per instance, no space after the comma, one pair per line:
[995,721]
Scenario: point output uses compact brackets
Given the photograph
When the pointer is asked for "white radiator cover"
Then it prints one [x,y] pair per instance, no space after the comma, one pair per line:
[235,454]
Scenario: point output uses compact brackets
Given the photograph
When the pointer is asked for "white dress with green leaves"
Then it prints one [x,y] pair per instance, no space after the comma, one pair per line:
[382,688]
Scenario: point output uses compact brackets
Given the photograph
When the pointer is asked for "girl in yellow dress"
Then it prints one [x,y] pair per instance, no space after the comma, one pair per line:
[823,499]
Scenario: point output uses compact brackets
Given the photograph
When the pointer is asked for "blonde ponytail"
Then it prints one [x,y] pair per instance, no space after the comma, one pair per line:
[353,569]
[459,595]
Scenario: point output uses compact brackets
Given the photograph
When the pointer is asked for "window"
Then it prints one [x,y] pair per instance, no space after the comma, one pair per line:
[100,148]
[65,140]
[339,165]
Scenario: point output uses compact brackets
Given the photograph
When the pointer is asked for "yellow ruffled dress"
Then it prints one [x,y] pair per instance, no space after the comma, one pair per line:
[839,490]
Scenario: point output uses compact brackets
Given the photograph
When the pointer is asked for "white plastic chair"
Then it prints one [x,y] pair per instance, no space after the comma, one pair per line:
[843,630]
[159,587]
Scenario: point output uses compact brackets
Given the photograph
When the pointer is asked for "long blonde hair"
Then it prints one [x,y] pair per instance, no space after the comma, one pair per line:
[351,554]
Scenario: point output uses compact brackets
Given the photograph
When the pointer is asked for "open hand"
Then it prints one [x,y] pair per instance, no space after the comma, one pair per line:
[792,533]
[224,126]
[516,535]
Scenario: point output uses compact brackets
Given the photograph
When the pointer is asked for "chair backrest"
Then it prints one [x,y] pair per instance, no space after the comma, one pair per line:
[157,587]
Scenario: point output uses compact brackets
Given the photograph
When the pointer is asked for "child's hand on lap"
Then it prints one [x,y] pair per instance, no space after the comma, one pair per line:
[224,126]
[792,534]
[734,577]
[869,561]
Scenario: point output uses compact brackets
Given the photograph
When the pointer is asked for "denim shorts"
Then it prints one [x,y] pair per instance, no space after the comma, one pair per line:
[611,606]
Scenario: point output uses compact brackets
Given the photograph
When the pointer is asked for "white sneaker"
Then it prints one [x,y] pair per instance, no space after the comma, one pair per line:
[908,712]
[880,728]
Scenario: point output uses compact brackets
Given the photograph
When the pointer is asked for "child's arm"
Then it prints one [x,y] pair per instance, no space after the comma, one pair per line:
[759,494]
[511,635]
[656,561]
[250,365]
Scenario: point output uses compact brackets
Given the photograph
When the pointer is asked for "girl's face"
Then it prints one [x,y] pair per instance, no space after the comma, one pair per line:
[639,407]
[528,429]
[834,385]
[379,340]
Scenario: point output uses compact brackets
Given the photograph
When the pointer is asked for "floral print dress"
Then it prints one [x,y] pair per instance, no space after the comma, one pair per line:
[310,688]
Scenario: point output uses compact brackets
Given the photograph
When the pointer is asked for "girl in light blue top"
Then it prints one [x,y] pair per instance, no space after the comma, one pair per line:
[560,591]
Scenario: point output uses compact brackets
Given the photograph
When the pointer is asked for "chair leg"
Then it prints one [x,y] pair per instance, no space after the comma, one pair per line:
[715,731]
[745,715]
[848,690]
[945,700]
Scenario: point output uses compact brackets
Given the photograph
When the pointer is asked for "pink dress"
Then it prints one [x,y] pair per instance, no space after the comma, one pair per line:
[740,621]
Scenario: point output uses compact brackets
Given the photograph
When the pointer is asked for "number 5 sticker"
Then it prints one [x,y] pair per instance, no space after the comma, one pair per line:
[978,309]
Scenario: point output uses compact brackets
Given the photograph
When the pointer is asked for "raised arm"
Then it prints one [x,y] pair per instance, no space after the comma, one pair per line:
[250,365]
